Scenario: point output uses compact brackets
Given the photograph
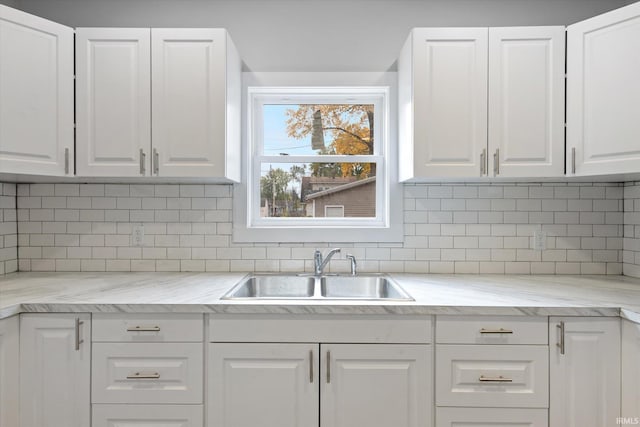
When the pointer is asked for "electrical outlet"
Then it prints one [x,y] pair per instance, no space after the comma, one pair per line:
[137,235]
[540,240]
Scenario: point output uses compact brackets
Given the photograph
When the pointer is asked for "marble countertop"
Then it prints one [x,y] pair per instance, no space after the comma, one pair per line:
[433,294]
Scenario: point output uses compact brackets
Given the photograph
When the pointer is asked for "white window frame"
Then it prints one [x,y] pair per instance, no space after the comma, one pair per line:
[248,226]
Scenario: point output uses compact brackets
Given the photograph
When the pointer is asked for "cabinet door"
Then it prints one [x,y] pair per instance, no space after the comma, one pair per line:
[9,364]
[376,385]
[630,370]
[55,370]
[603,93]
[585,380]
[36,105]
[113,101]
[267,385]
[188,92]
[449,101]
[526,101]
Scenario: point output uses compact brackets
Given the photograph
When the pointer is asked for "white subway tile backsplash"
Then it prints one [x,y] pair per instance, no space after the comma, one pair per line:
[461,228]
[631,230]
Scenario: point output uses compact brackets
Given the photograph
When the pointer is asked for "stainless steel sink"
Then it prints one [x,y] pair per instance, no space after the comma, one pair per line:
[272,287]
[280,286]
[362,287]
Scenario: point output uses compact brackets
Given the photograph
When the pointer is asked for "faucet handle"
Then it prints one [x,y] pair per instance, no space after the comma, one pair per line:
[354,264]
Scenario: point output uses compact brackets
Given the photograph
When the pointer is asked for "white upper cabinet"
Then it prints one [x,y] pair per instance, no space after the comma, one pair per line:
[36,102]
[196,103]
[442,83]
[158,102]
[482,102]
[113,101]
[603,93]
[526,101]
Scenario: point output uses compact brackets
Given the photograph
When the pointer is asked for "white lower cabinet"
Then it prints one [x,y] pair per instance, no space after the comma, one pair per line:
[584,372]
[55,356]
[490,417]
[514,376]
[162,373]
[492,370]
[9,365]
[630,371]
[148,370]
[280,385]
[263,385]
[147,416]
[375,385]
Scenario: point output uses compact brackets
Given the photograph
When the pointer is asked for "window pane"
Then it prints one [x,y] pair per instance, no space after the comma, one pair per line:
[306,189]
[328,129]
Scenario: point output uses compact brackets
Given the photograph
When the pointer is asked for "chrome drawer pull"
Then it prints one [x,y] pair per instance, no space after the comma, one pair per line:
[496,331]
[144,329]
[143,376]
[499,379]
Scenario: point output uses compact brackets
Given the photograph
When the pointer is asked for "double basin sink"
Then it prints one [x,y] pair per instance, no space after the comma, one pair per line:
[304,287]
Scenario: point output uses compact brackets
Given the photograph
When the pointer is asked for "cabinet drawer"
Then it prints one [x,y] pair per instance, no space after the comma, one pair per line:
[496,375]
[491,417]
[491,330]
[147,373]
[147,416]
[148,328]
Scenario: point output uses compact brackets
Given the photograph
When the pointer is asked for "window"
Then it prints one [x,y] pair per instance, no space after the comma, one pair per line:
[334,211]
[317,163]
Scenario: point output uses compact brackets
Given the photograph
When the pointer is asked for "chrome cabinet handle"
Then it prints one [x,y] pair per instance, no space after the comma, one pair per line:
[483,162]
[560,345]
[328,367]
[143,376]
[311,366]
[496,331]
[66,161]
[573,160]
[496,162]
[143,329]
[156,161]
[498,379]
[143,161]
[78,339]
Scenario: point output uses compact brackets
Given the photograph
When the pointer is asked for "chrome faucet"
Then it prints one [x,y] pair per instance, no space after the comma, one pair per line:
[319,264]
[354,264]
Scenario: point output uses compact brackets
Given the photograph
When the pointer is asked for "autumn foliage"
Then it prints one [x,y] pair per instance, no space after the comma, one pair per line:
[350,128]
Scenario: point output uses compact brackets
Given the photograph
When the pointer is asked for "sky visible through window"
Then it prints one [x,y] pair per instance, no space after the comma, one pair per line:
[276,140]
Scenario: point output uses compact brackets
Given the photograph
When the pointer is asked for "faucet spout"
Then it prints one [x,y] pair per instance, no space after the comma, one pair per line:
[319,263]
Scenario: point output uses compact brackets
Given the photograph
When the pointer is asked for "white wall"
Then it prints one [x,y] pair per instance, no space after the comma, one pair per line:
[317,35]
[12,3]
